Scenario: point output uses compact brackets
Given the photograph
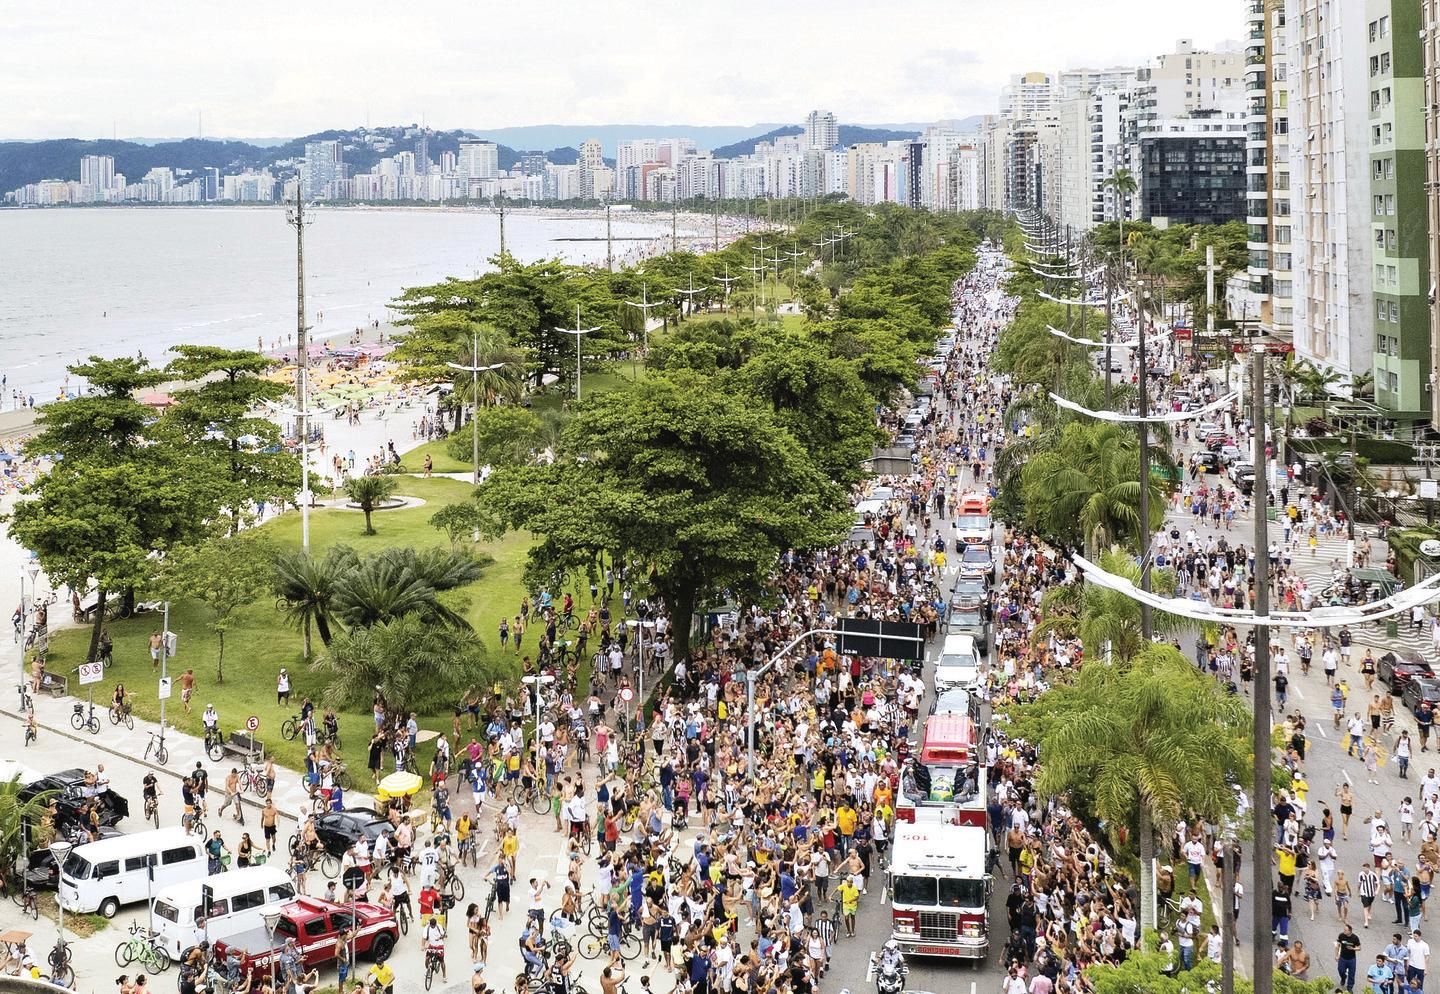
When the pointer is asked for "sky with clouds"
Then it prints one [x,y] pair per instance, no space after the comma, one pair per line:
[263,69]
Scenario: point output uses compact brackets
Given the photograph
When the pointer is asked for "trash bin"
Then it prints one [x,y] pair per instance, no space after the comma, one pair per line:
[1392,628]
[1270,514]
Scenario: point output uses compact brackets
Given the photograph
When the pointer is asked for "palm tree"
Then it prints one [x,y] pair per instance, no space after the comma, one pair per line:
[1316,381]
[368,493]
[1122,182]
[20,821]
[305,588]
[401,582]
[419,666]
[484,345]
[1139,745]
[1085,489]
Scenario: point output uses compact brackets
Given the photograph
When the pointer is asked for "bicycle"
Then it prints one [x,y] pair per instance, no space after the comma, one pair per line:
[290,727]
[122,716]
[193,823]
[60,968]
[432,966]
[402,917]
[31,732]
[157,745]
[26,701]
[152,810]
[24,899]
[214,744]
[252,780]
[142,947]
[79,721]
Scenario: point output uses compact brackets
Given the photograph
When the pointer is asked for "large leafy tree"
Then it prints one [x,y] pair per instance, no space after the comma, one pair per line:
[224,574]
[218,421]
[107,423]
[530,303]
[1137,745]
[701,486]
[400,582]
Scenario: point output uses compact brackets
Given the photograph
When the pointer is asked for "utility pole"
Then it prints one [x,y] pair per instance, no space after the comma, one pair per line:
[716,212]
[609,242]
[1261,941]
[1109,328]
[297,220]
[1147,622]
[500,206]
[475,369]
[674,215]
[1227,914]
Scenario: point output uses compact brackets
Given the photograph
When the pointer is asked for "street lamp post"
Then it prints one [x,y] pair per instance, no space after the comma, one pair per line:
[639,628]
[302,415]
[59,849]
[578,332]
[644,304]
[272,919]
[475,369]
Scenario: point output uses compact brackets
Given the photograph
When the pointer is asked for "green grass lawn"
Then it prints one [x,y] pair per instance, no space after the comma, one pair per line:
[441,460]
[259,642]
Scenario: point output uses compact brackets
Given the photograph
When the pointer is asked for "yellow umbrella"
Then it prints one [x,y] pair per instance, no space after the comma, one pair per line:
[398,785]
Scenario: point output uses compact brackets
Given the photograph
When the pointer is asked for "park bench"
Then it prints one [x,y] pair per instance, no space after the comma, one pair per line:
[246,746]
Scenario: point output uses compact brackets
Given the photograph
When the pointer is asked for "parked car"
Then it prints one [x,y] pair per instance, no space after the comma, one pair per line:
[338,830]
[72,798]
[1420,688]
[1239,468]
[1230,454]
[1397,672]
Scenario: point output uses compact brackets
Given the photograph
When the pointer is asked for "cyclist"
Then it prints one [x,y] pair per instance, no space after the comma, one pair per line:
[432,941]
[210,718]
[150,790]
[188,799]
[530,948]
[201,781]
[381,977]
[567,609]
[120,700]
[32,729]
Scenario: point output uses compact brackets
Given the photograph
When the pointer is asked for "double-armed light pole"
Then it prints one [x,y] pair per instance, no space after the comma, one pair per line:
[579,333]
[644,303]
[475,369]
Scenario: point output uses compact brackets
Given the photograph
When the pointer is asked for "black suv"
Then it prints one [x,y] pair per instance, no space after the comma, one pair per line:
[71,800]
[338,830]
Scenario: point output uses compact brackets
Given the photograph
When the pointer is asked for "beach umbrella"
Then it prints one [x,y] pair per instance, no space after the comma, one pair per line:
[398,785]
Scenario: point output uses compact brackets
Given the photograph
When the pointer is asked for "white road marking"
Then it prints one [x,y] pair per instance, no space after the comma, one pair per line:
[1348,781]
[1320,727]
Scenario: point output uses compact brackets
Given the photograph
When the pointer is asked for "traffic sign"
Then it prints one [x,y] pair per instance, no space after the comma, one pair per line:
[91,673]
[353,878]
[252,723]
[626,694]
[884,639]
[164,692]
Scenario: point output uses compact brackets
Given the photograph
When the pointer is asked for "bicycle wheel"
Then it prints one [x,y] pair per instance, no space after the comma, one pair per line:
[199,828]
[343,779]
[587,839]
[215,749]
[457,889]
[539,801]
[114,720]
[629,944]
[93,725]
[591,945]
[77,720]
[261,786]
[59,958]
[402,918]
[330,866]
[429,974]
[162,755]
[129,720]
[124,953]
[157,960]
[289,728]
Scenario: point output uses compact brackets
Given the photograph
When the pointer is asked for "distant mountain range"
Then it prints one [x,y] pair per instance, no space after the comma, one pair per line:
[23,162]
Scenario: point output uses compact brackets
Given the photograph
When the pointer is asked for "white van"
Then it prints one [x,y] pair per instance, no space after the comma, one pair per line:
[959,664]
[101,876]
[238,902]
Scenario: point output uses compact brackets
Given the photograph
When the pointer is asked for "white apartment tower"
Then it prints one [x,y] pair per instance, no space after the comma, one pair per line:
[479,160]
[1027,96]
[821,130]
[1267,167]
[1330,163]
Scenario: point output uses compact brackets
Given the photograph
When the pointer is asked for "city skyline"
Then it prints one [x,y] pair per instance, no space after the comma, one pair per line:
[98,72]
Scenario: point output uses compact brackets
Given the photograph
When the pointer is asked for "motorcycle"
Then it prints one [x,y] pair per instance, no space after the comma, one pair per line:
[890,977]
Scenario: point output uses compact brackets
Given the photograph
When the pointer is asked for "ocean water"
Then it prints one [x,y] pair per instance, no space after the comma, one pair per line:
[118,281]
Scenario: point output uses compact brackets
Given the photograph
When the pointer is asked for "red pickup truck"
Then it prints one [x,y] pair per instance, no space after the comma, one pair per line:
[315,925]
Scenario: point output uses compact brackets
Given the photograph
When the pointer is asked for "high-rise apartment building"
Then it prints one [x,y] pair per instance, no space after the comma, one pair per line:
[1429,36]
[1268,279]
[422,154]
[324,166]
[479,160]
[1330,179]
[1074,82]
[821,130]
[1028,95]
[1400,225]
[97,175]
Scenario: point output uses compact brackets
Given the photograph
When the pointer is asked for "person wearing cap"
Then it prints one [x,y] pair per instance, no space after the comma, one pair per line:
[282,687]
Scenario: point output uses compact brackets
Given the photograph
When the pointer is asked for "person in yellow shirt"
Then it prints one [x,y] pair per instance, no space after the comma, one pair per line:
[845,819]
[849,896]
[382,977]
[509,847]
